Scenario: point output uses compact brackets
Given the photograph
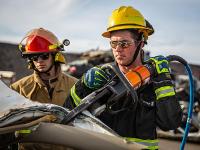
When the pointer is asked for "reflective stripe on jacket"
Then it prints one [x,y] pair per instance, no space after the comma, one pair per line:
[150,144]
[76,98]
[164,92]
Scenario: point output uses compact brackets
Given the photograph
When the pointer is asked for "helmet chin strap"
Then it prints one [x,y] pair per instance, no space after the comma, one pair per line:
[135,55]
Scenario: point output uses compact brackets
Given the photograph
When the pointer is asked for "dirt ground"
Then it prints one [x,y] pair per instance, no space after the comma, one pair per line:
[165,144]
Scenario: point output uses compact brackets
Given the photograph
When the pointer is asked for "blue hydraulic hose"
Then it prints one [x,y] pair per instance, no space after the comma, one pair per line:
[190,109]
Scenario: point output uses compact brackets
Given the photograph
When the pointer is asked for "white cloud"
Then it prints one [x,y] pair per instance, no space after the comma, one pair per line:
[82,22]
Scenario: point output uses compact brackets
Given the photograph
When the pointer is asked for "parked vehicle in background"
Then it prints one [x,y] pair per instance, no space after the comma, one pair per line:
[87,60]
[76,68]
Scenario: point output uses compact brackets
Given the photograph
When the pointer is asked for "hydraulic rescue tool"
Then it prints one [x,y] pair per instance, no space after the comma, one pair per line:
[130,82]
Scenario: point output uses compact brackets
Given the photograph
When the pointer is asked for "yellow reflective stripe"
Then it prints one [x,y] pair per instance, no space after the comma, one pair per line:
[152,147]
[53,46]
[98,73]
[163,70]
[150,144]
[24,131]
[75,97]
[158,69]
[164,92]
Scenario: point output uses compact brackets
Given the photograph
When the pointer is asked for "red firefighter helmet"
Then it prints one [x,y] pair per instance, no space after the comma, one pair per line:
[40,40]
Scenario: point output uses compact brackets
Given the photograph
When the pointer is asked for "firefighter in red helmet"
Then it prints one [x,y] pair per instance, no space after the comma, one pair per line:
[38,44]
[47,84]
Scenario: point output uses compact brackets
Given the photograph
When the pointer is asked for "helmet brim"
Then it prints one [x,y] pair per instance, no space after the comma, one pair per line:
[107,34]
[35,53]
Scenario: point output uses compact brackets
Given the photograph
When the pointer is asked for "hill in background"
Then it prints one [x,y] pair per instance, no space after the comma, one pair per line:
[11,60]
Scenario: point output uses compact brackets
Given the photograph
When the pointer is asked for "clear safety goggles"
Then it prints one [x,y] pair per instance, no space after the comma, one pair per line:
[122,44]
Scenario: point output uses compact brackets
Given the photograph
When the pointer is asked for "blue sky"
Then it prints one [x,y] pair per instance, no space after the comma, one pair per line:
[176,23]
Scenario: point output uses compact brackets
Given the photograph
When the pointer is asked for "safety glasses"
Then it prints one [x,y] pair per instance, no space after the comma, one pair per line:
[44,56]
[122,44]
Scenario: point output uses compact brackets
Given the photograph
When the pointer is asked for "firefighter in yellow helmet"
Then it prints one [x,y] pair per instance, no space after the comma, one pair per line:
[128,18]
[157,107]
[47,84]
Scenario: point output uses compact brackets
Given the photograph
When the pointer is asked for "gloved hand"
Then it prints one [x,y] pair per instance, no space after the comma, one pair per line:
[95,78]
[161,64]
[162,80]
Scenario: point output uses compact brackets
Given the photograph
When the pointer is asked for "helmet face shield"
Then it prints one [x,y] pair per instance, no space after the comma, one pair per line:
[37,44]
[39,41]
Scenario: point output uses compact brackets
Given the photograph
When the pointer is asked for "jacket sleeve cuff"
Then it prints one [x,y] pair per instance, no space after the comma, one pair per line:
[165,91]
[163,87]
[79,91]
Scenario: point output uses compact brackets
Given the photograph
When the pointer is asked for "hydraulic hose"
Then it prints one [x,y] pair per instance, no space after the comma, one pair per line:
[93,97]
[151,70]
[191,83]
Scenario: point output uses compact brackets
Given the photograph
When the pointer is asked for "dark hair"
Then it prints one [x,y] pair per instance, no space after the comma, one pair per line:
[135,34]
